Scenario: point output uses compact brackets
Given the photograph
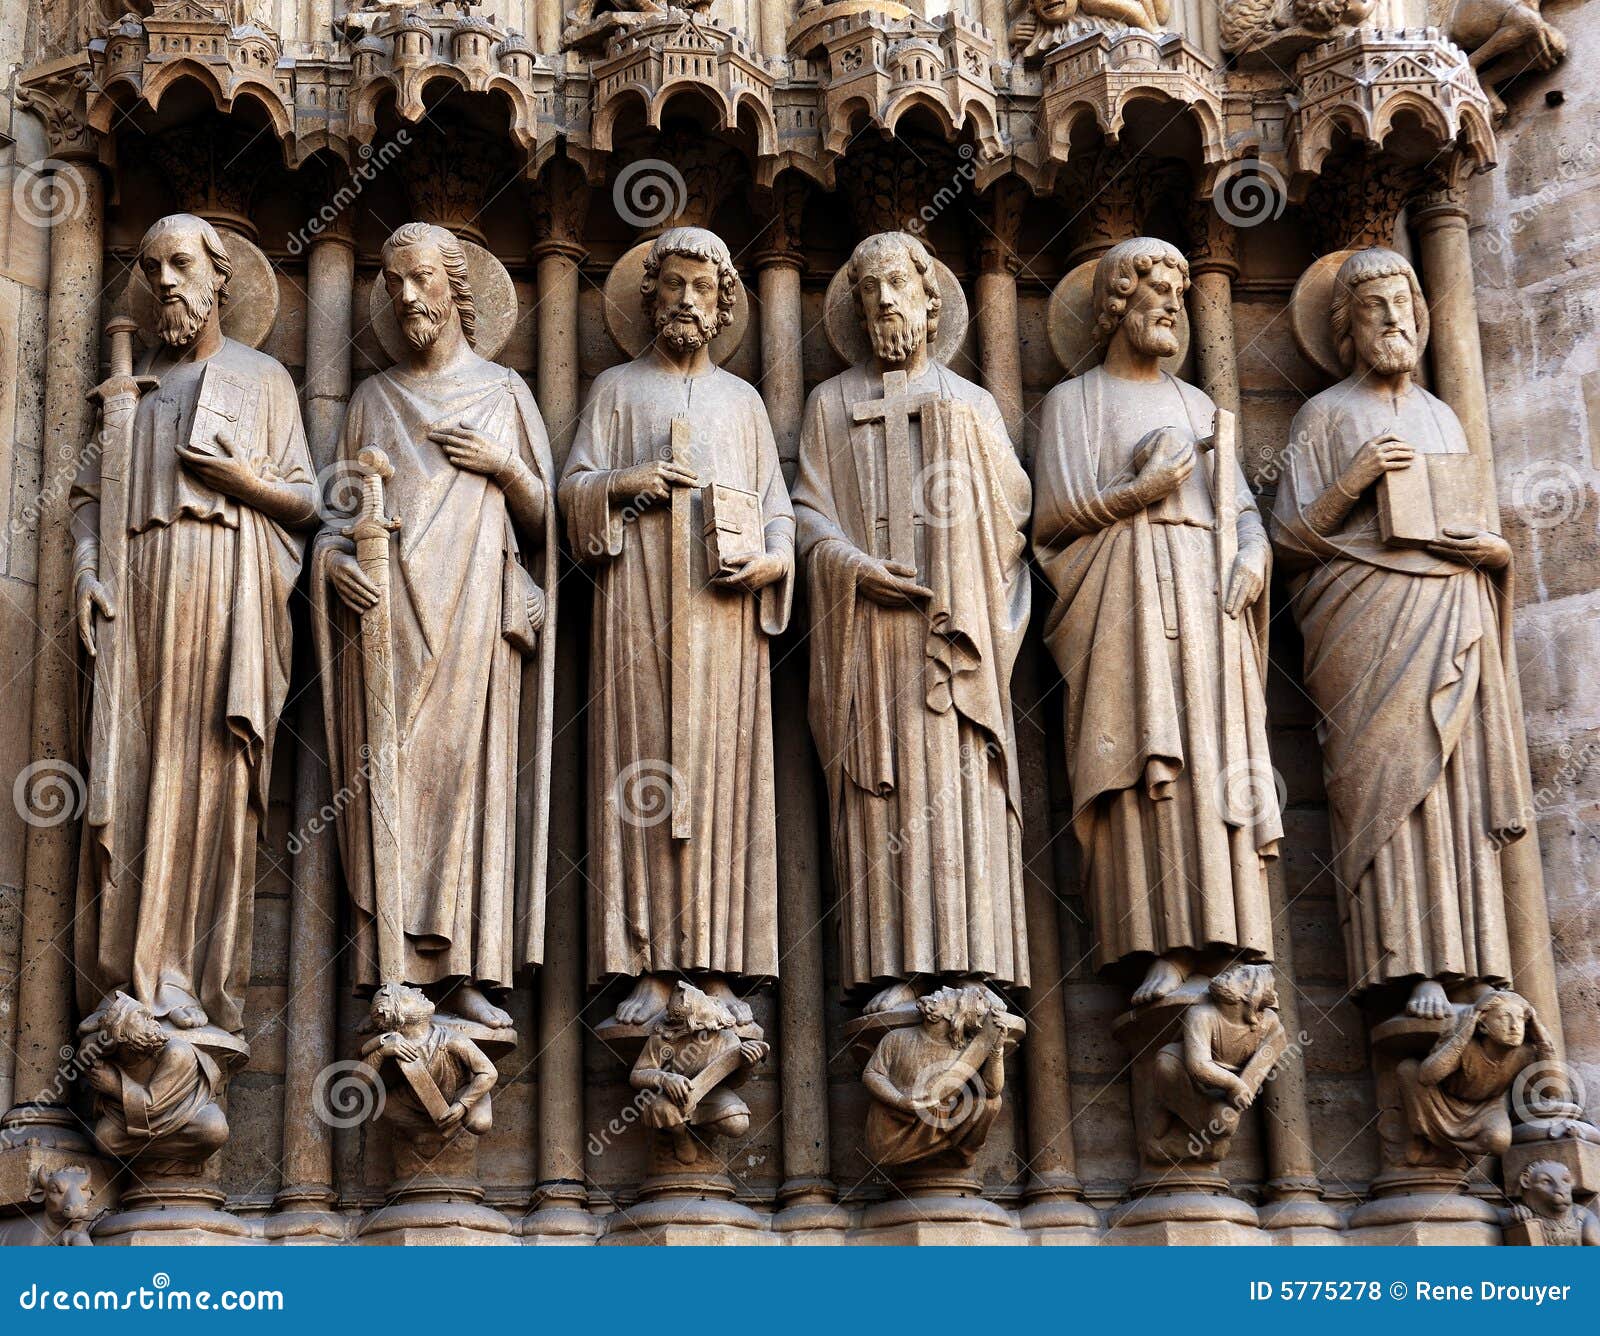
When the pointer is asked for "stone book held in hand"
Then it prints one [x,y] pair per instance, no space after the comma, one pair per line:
[1438,492]
[732,527]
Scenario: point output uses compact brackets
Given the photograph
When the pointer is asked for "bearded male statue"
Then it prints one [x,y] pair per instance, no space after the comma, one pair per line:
[910,504]
[208,506]
[1163,652]
[467,588]
[674,495]
[1408,658]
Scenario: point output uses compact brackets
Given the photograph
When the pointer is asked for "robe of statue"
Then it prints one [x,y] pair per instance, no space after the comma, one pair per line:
[1174,814]
[1408,658]
[166,889]
[911,707]
[473,712]
[659,904]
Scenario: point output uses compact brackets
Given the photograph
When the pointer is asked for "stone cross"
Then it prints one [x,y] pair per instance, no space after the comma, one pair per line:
[895,410]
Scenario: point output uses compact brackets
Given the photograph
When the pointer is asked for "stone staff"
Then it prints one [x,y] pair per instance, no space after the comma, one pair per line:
[370,532]
[1224,459]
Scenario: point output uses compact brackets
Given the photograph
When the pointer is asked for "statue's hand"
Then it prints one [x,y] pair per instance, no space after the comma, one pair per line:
[452,1117]
[472,451]
[754,573]
[1382,454]
[890,585]
[1520,1213]
[90,597]
[675,1087]
[346,576]
[228,470]
[1165,459]
[1475,547]
[1245,584]
[753,1051]
[1239,1096]
[646,483]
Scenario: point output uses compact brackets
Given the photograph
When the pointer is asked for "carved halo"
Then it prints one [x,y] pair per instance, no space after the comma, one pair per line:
[494,297]
[624,313]
[850,340]
[1310,307]
[252,306]
[1071,324]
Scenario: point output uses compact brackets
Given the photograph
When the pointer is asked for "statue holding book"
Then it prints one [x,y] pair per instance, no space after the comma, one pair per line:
[1385,523]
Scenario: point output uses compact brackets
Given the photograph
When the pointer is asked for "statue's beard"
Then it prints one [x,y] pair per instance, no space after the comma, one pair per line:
[1149,339]
[423,323]
[1392,353]
[179,321]
[684,328]
[895,337]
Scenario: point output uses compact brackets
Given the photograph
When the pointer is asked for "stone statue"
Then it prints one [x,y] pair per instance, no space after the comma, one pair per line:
[691,1059]
[429,623]
[1407,654]
[1455,1100]
[67,1195]
[673,492]
[1277,28]
[155,1091]
[1201,1083]
[185,515]
[1547,1213]
[910,504]
[936,1086]
[1504,38]
[1039,26]
[1159,629]
[437,1080]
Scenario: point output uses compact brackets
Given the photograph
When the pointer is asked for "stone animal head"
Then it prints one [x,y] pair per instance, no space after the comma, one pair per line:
[68,1199]
[186,264]
[962,1009]
[1252,986]
[425,274]
[1138,291]
[690,1011]
[397,1007]
[896,290]
[689,287]
[1547,1188]
[1378,315]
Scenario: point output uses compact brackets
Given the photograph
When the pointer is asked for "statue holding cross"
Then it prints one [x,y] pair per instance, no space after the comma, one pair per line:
[910,505]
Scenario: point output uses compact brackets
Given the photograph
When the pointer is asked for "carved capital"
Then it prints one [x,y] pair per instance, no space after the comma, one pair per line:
[894,185]
[1356,202]
[1000,227]
[215,169]
[780,239]
[677,178]
[58,94]
[1213,241]
[451,173]
[1121,191]
[560,204]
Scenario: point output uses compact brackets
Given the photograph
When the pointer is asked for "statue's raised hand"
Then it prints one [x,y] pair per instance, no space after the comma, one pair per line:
[473,452]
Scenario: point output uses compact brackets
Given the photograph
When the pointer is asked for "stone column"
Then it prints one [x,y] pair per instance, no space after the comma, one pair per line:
[775,16]
[45,989]
[309,1189]
[560,1198]
[1213,266]
[779,265]
[999,353]
[1440,218]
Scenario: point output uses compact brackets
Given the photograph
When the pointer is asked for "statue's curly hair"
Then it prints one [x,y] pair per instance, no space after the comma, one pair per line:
[454,257]
[697,244]
[1118,274]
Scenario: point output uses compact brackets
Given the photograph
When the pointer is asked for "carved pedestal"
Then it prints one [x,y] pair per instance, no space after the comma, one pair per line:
[1184,1131]
[1420,1195]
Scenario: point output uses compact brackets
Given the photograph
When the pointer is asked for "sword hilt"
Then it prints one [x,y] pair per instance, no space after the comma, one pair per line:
[370,520]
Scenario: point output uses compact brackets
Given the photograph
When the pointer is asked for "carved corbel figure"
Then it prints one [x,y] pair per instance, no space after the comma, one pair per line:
[1282,28]
[1547,1216]
[1039,26]
[67,1195]
[155,1089]
[692,1058]
[436,1079]
[1455,1100]
[1202,1083]
[1503,38]
[936,1086]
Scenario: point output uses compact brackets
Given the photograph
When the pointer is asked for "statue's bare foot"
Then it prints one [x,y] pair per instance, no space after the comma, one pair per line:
[471,1004]
[895,996]
[722,990]
[1164,976]
[178,1007]
[647,1000]
[1428,1001]
[187,1017]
